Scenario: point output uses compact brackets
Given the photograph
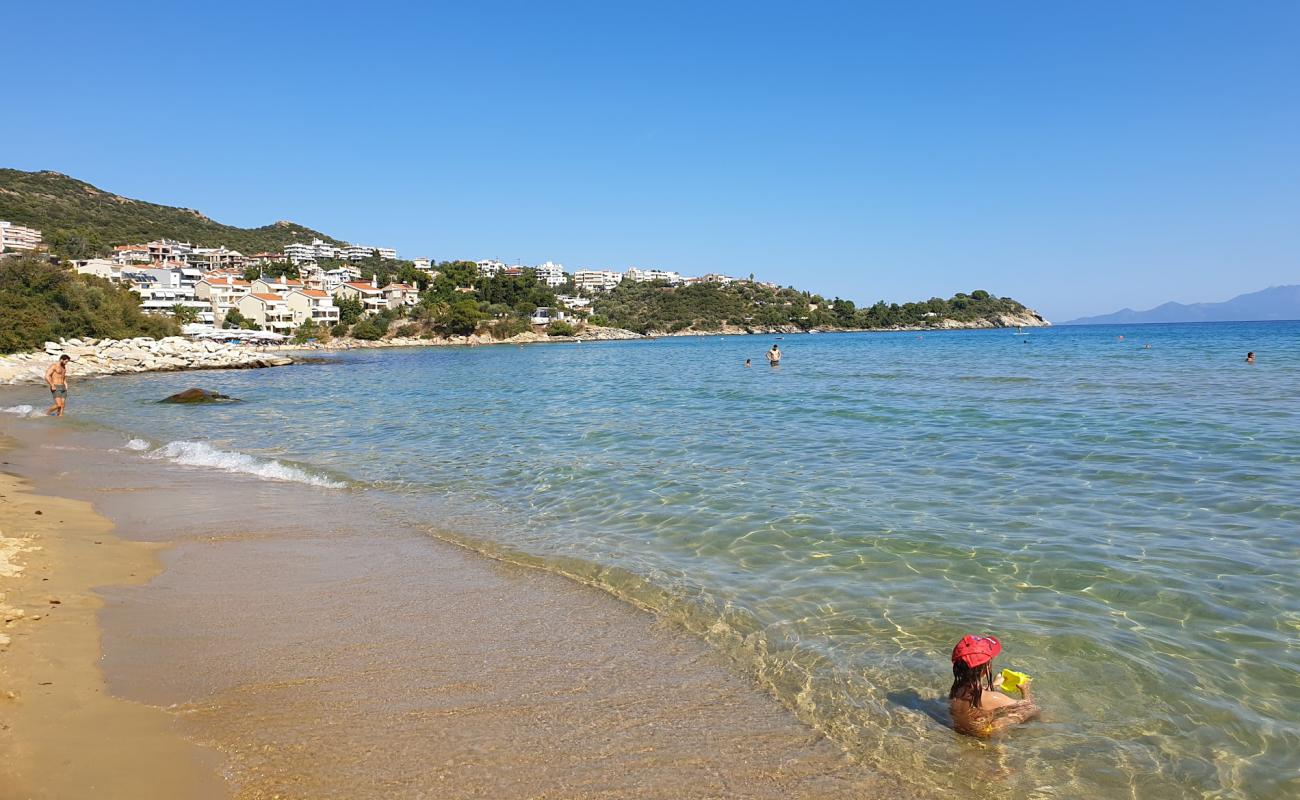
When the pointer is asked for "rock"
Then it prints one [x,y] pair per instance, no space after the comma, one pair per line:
[196,396]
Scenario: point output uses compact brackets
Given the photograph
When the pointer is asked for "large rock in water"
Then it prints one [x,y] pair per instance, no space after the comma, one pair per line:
[196,395]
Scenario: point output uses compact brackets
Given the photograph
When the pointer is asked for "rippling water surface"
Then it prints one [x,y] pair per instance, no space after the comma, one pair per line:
[1126,518]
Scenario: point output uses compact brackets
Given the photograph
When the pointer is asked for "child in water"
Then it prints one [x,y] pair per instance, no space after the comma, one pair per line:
[978,709]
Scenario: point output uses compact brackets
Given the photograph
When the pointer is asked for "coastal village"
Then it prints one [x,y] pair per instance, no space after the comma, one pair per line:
[211,285]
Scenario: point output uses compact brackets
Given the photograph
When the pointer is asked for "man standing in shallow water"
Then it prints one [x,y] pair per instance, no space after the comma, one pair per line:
[774,355]
[57,377]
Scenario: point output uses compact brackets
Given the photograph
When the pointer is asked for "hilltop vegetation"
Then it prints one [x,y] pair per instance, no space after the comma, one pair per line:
[40,302]
[79,220]
[657,307]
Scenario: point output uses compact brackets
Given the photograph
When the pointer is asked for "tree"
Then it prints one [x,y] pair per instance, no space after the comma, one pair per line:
[350,309]
[307,331]
[234,320]
[463,317]
[559,328]
[40,301]
[184,314]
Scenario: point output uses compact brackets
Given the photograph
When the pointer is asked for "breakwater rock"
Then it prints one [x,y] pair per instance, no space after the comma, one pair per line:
[117,356]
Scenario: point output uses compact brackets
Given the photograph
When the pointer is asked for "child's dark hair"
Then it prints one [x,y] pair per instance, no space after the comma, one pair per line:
[969,683]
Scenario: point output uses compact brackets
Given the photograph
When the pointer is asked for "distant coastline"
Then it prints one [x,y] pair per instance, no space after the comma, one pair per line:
[1275,304]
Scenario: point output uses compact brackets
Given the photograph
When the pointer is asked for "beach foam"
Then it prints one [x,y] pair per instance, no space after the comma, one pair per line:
[23,410]
[136,444]
[202,454]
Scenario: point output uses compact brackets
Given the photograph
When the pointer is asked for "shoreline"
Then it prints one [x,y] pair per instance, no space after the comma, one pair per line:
[27,368]
[64,734]
[611,702]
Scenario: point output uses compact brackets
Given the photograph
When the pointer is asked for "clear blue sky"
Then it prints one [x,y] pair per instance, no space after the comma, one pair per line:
[1078,156]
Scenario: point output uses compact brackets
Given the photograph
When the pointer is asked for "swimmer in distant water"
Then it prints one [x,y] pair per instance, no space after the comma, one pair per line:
[747,363]
[774,355]
[1250,357]
[977,708]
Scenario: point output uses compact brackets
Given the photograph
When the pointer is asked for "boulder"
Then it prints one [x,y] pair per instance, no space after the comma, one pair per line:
[196,396]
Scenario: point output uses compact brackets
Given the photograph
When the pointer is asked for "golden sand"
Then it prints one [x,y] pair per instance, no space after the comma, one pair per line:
[62,735]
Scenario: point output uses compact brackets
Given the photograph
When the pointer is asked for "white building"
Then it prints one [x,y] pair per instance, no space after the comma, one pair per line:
[647,275]
[422,264]
[314,305]
[489,268]
[100,268]
[18,237]
[332,279]
[298,253]
[357,252]
[573,303]
[550,274]
[596,280]
[161,290]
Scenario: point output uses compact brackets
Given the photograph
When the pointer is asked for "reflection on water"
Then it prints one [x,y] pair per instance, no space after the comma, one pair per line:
[1124,518]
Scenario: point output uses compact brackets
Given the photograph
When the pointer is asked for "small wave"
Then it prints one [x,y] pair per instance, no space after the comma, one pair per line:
[137,444]
[202,454]
[24,410]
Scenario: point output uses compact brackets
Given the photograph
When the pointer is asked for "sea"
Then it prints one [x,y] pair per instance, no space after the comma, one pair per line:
[1119,505]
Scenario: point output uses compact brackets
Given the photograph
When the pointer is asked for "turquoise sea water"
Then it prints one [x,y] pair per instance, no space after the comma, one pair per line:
[1126,519]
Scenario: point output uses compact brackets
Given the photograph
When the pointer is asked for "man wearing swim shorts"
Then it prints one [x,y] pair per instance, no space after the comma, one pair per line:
[57,377]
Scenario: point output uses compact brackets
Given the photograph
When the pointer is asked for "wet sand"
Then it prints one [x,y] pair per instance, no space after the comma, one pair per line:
[62,735]
[317,651]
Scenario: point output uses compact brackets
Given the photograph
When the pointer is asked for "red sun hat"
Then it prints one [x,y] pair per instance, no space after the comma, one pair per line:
[976,650]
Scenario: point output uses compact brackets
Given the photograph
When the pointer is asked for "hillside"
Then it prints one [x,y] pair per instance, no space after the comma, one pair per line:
[1278,302]
[65,208]
[656,308]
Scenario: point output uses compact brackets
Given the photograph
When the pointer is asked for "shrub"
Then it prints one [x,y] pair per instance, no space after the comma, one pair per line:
[40,301]
[370,328]
[406,331]
[598,320]
[559,328]
[506,327]
[341,329]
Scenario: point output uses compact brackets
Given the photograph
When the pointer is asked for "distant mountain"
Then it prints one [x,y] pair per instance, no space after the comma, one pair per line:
[1278,302]
[60,205]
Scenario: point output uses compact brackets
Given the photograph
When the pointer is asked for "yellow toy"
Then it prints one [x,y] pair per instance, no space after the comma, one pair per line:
[1012,680]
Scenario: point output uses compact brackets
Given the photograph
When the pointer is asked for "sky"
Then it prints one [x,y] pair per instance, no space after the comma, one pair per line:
[1080,157]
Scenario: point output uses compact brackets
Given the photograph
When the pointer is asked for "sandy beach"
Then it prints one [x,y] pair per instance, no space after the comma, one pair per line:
[287,643]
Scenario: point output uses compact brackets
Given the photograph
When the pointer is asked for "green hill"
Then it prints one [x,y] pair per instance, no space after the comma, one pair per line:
[82,220]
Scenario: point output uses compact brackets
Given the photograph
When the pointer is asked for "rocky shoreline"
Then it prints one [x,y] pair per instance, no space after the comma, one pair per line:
[120,356]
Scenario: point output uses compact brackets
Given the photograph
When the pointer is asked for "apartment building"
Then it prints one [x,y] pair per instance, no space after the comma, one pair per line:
[270,312]
[210,258]
[596,280]
[164,250]
[550,273]
[647,275]
[357,252]
[126,254]
[488,268]
[373,299]
[222,293]
[18,237]
[313,305]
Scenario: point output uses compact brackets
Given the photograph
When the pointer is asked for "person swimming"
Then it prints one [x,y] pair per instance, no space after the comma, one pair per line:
[977,708]
[1250,357]
[747,362]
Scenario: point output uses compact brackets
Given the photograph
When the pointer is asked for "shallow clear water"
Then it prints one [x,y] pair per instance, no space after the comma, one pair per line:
[1125,518]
